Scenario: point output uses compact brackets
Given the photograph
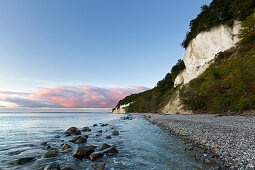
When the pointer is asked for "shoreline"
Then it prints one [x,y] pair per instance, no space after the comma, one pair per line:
[228,141]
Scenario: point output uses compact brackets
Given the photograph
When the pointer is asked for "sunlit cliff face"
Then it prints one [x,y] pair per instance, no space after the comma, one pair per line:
[69,97]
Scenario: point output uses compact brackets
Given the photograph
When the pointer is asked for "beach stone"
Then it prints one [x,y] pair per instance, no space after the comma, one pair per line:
[44,143]
[23,161]
[82,152]
[74,139]
[80,140]
[115,132]
[86,129]
[111,150]
[78,132]
[51,153]
[67,150]
[104,146]
[96,155]
[72,130]
[97,166]
[48,147]
[108,137]
[66,146]
[67,168]
[52,166]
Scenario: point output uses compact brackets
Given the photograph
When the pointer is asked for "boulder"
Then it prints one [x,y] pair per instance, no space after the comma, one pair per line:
[67,168]
[86,129]
[80,140]
[66,146]
[111,150]
[115,132]
[96,155]
[44,143]
[78,132]
[52,166]
[104,146]
[51,153]
[67,150]
[72,130]
[74,139]
[97,166]
[83,152]
[23,161]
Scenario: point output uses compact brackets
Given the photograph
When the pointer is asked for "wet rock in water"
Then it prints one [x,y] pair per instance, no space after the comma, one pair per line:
[52,166]
[66,146]
[80,140]
[77,132]
[44,143]
[111,150]
[51,153]
[22,161]
[104,146]
[108,137]
[67,150]
[95,125]
[86,129]
[83,152]
[100,131]
[74,139]
[72,130]
[86,136]
[127,118]
[96,155]
[97,166]
[48,147]
[115,132]
[67,168]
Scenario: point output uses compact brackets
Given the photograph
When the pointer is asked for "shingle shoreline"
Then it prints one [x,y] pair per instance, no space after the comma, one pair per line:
[227,140]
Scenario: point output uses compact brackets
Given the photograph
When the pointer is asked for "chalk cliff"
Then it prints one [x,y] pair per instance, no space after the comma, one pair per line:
[199,54]
[203,49]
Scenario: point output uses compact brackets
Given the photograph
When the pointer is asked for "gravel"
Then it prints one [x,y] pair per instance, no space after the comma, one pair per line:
[230,139]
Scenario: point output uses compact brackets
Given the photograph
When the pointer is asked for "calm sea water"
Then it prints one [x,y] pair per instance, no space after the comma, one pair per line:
[141,145]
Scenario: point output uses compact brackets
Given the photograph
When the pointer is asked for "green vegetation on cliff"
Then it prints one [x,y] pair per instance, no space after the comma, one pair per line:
[217,13]
[152,100]
[229,83]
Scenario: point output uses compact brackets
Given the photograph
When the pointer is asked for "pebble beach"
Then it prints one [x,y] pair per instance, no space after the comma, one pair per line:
[228,141]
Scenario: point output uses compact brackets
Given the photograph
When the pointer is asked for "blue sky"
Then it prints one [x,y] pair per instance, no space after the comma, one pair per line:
[101,43]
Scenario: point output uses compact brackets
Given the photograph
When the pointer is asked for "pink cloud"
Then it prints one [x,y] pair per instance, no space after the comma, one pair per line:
[71,96]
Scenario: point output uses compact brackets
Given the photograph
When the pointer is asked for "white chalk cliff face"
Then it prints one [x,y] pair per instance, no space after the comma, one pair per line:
[121,109]
[202,50]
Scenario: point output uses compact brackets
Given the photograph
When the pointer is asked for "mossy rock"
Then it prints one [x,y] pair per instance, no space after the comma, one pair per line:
[23,161]
[51,153]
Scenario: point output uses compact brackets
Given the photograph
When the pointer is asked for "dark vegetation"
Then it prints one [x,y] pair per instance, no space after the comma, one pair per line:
[219,12]
[229,83]
[151,100]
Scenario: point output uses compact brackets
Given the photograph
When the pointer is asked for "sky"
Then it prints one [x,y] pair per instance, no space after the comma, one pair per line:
[87,53]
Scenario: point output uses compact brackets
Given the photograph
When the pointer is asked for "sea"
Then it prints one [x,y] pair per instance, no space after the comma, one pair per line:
[141,145]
